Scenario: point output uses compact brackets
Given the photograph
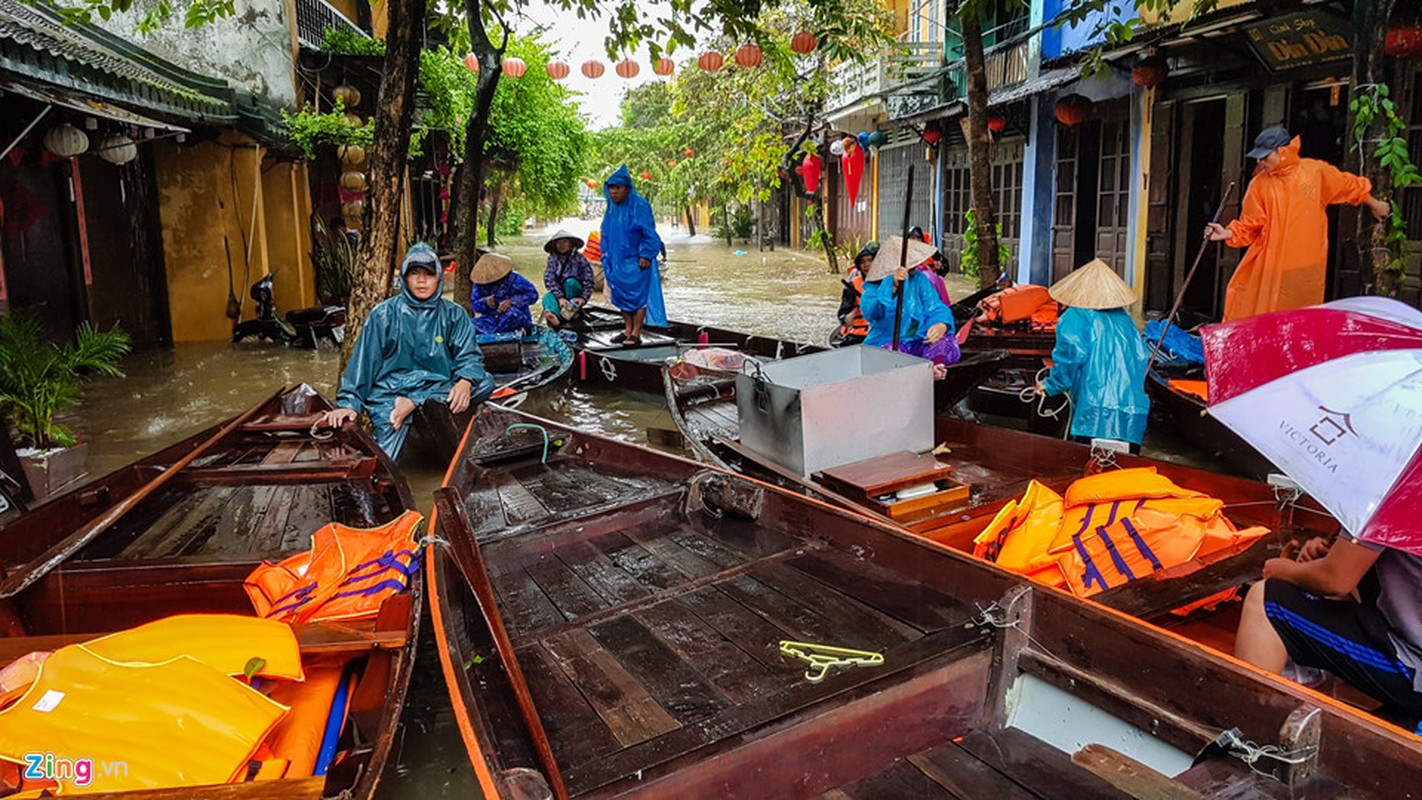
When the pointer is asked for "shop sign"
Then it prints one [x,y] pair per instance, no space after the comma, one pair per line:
[1301,39]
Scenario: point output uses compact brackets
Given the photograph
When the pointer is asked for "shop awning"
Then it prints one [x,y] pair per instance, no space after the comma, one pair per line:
[85,105]
[1047,81]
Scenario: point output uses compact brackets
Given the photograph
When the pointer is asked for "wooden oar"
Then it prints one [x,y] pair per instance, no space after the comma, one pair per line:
[903,258]
[1180,295]
[471,565]
[27,574]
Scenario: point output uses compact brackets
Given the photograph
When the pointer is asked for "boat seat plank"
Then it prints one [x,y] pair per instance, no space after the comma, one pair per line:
[576,732]
[735,673]
[902,779]
[795,695]
[1037,766]
[601,573]
[524,606]
[953,768]
[909,601]
[571,595]
[834,604]
[677,686]
[625,707]
[1131,776]
[1154,595]
[313,637]
[294,789]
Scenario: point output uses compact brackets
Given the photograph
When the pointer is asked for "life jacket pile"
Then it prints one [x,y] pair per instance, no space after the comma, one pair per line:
[1024,303]
[1109,529]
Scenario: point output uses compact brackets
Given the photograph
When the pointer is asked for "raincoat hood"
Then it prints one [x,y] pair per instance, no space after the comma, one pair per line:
[619,177]
[423,256]
[1288,158]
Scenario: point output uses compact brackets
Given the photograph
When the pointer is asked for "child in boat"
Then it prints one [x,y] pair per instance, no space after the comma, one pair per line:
[1352,608]
[568,278]
[500,297]
[926,322]
[852,325]
[1099,361]
[415,347]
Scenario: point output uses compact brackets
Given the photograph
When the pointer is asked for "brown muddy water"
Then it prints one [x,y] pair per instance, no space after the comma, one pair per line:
[170,394]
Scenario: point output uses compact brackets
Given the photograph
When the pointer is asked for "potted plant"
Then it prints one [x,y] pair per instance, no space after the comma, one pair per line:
[39,379]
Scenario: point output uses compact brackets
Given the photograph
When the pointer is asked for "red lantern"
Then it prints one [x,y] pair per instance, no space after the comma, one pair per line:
[1073,110]
[852,164]
[671,164]
[471,62]
[996,124]
[646,176]
[803,42]
[664,66]
[1403,41]
[711,61]
[748,55]
[558,70]
[593,68]
[810,169]
[688,152]
[628,68]
[514,67]
[932,135]
[1150,72]
[592,184]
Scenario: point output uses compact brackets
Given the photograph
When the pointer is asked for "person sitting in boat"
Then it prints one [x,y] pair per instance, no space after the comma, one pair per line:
[925,321]
[1099,361]
[1349,607]
[853,327]
[500,297]
[414,348]
[568,278]
[630,247]
[935,267]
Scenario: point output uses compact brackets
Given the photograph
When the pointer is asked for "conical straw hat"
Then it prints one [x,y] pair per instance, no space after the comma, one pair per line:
[491,267]
[562,234]
[888,258]
[1094,285]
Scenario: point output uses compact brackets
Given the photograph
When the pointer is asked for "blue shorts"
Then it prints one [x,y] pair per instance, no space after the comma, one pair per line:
[1346,638]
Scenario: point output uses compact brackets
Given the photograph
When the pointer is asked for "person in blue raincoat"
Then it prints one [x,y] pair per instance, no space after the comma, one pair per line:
[500,297]
[630,246]
[415,347]
[926,322]
[1099,360]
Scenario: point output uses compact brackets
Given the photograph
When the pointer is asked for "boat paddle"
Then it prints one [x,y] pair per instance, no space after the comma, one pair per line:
[903,259]
[1180,295]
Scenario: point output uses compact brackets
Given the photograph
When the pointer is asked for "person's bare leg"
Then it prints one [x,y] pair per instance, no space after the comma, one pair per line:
[1256,641]
[637,317]
[628,324]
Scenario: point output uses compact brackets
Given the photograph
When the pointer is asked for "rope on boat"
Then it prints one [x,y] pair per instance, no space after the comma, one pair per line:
[540,429]
[1250,752]
[1029,394]
[320,435]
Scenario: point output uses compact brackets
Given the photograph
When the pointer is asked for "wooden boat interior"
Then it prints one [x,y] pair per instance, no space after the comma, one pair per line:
[256,490]
[644,599]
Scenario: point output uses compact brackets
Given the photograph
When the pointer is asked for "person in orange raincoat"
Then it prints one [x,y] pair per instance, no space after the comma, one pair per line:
[1283,223]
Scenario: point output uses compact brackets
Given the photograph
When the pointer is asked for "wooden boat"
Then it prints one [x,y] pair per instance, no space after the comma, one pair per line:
[1186,413]
[521,365]
[179,532]
[619,623]
[996,465]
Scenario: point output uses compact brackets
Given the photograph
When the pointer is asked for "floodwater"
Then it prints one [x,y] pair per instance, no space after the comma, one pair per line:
[174,393]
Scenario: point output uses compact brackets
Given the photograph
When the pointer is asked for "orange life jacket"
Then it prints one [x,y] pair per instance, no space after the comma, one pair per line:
[1020,303]
[592,251]
[347,573]
[1108,556]
[136,725]
[296,740]
[1023,530]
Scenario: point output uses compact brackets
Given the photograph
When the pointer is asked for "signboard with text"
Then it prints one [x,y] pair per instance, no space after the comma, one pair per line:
[1301,39]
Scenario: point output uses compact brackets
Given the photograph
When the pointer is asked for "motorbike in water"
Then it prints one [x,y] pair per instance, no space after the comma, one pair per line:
[304,327]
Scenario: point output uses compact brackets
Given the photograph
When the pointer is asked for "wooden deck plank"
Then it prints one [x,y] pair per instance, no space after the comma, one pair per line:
[1037,766]
[797,620]
[644,565]
[271,530]
[869,623]
[905,600]
[572,596]
[676,685]
[284,453]
[734,672]
[576,732]
[524,606]
[519,504]
[311,511]
[750,632]
[604,575]
[200,517]
[953,768]
[710,549]
[628,710]
[653,537]
[229,533]
[902,780]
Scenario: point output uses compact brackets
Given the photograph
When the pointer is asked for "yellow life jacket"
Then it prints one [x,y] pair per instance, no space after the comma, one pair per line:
[1023,530]
[347,573]
[229,643]
[136,726]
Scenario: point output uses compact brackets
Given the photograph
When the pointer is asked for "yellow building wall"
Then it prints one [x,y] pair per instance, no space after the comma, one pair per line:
[207,193]
[1180,11]
[379,19]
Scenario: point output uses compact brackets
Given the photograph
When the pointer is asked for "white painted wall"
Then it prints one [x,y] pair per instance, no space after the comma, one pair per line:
[251,49]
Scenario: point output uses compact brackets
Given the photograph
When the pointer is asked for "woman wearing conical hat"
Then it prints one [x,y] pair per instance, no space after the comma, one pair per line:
[1099,361]
[500,298]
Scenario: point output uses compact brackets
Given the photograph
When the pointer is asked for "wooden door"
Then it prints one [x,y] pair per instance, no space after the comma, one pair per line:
[1160,288]
[1064,202]
[1113,196]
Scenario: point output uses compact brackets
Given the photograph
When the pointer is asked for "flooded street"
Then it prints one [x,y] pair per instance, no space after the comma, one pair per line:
[173,393]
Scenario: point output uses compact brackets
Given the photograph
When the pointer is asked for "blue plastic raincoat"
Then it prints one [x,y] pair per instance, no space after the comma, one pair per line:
[922,310]
[515,288]
[629,232]
[411,348]
[1100,363]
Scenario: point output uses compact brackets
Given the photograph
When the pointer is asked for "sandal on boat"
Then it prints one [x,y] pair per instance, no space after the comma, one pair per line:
[619,338]
[631,341]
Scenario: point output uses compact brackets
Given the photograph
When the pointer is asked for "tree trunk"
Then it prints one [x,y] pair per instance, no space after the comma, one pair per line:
[493,222]
[471,173]
[726,215]
[394,118]
[690,221]
[979,163]
[1372,67]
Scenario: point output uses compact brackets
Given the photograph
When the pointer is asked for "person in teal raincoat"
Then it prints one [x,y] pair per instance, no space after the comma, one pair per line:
[630,247]
[1099,361]
[926,324]
[415,347]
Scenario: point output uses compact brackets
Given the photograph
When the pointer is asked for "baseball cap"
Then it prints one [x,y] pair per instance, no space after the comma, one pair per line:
[1269,140]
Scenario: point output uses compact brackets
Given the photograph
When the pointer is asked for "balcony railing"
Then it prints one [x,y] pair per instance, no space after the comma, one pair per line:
[313,17]
[853,81]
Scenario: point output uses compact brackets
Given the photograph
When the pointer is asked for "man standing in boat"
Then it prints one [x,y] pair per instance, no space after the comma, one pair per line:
[414,348]
[630,246]
[1284,224]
